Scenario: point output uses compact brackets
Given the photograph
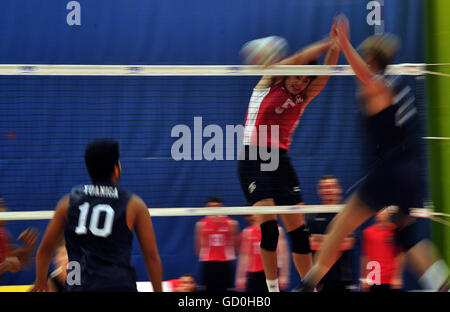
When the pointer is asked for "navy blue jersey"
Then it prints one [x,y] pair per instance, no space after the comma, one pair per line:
[98,238]
[395,130]
[395,178]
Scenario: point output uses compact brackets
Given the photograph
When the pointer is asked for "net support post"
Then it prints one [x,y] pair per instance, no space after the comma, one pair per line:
[437,50]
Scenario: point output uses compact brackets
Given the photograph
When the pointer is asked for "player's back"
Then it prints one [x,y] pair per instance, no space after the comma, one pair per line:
[98,238]
[395,130]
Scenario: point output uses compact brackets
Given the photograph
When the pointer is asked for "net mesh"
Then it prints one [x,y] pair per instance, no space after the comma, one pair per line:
[48,120]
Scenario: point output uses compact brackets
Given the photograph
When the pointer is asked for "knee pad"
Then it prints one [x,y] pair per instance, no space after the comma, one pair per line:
[269,235]
[300,240]
[409,235]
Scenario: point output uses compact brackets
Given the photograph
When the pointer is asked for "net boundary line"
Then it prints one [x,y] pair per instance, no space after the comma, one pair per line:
[414,69]
[204,211]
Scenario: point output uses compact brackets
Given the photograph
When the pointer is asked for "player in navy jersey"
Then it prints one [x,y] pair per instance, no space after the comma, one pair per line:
[98,221]
[395,177]
[276,106]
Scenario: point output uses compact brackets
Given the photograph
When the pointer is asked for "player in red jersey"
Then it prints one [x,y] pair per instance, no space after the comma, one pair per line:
[14,258]
[266,174]
[215,244]
[378,244]
[250,271]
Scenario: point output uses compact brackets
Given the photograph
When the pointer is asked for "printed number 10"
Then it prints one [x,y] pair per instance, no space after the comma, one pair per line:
[93,224]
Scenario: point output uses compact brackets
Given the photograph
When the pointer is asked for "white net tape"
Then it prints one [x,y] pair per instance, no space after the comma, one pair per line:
[204,211]
[195,70]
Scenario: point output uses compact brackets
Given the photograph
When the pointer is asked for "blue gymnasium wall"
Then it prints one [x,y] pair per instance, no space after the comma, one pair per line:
[46,122]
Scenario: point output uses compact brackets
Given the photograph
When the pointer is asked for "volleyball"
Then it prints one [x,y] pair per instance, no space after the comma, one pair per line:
[264,51]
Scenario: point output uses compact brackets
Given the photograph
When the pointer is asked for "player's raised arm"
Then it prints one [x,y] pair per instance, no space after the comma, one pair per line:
[309,53]
[331,58]
[302,57]
[359,66]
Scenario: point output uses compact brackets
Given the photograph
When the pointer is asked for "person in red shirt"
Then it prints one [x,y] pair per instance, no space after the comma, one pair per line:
[378,244]
[14,258]
[186,283]
[215,244]
[250,271]
[266,174]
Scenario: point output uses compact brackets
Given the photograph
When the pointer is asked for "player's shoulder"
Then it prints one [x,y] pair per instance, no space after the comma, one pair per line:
[64,199]
[393,80]
[135,201]
[398,83]
[63,206]
[77,190]
[203,220]
[249,230]
[268,83]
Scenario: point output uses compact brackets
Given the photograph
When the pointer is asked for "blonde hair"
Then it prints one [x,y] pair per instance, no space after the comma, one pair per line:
[382,47]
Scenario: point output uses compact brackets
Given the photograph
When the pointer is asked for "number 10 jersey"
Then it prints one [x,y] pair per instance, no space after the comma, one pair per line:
[98,240]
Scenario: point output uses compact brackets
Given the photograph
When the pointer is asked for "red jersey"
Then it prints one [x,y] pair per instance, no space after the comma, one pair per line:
[252,237]
[3,244]
[272,107]
[172,285]
[378,244]
[216,239]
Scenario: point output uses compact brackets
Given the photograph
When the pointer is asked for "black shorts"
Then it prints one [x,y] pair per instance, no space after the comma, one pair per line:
[217,276]
[256,282]
[397,181]
[280,184]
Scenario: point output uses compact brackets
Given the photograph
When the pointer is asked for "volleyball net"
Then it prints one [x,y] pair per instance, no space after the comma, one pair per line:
[180,134]
[179,127]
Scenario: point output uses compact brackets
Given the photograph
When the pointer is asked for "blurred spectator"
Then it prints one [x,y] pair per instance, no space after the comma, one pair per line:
[187,283]
[250,275]
[378,244]
[215,245]
[12,257]
[340,276]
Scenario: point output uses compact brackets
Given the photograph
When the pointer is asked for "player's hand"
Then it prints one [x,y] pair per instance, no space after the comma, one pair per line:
[333,33]
[29,238]
[40,287]
[342,27]
[13,263]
